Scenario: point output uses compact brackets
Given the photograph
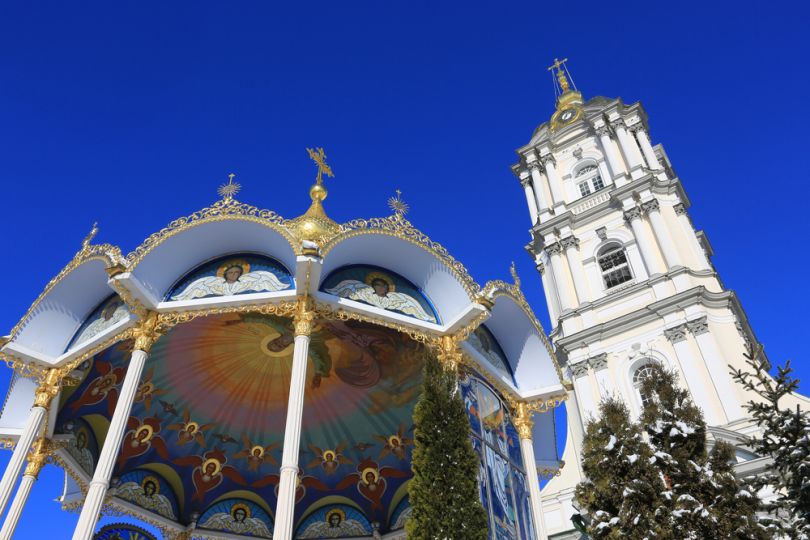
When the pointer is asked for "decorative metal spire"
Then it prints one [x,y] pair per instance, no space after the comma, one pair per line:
[92,234]
[227,191]
[397,205]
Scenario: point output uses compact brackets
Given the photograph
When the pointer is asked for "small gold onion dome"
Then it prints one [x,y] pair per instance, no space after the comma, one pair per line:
[314,225]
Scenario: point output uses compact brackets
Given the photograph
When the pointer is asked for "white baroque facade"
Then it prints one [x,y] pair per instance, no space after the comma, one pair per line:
[627,278]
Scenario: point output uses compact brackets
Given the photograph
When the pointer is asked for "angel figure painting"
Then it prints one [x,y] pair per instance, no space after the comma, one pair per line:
[232,276]
[239,519]
[110,312]
[335,522]
[382,289]
[145,491]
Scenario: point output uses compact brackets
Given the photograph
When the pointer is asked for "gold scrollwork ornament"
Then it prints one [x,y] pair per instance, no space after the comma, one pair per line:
[37,458]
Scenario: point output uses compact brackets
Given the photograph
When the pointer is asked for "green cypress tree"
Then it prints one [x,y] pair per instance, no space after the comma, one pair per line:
[785,438]
[444,493]
[622,492]
[704,498]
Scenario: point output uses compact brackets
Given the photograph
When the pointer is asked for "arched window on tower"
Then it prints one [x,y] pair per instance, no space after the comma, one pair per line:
[639,376]
[613,263]
[589,180]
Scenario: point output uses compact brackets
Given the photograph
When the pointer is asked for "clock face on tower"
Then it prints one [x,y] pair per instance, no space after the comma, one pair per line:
[567,115]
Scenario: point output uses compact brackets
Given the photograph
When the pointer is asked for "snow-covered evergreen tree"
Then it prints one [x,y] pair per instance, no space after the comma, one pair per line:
[622,491]
[444,495]
[704,498]
[783,438]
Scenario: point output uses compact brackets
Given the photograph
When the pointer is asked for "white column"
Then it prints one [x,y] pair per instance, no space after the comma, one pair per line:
[691,237]
[661,232]
[571,245]
[35,463]
[530,199]
[718,368]
[285,507]
[45,393]
[554,183]
[628,145]
[613,159]
[523,423]
[543,205]
[560,276]
[548,290]
[646,147]
[582,387]
[678,336]
[97,490]
[645,245]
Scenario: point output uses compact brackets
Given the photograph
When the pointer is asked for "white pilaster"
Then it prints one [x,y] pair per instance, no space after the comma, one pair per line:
[571,246]
[582,388]
[701,394]
[548,291]
[285,508]
[530,199]
[112,444]
[598,364]
[691,237]
[560,276]
[45,393]
[628,145]
[539,183]
[661,232]
[646,147]
[554,183]
[643,240]
[717,367]
[613,160]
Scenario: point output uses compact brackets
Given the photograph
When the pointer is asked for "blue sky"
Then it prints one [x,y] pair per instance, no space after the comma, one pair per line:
[132,113]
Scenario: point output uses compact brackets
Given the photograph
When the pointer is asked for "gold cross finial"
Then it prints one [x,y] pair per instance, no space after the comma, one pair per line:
[561,78]
[317,155]
[230,189]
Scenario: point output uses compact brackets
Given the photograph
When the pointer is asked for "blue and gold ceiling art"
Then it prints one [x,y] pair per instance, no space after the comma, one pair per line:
[208,421]
[334,521]
[380,288]
[123,531]
[108,313]
[232,275]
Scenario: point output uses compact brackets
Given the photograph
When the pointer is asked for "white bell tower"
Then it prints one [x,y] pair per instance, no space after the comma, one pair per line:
[628,280]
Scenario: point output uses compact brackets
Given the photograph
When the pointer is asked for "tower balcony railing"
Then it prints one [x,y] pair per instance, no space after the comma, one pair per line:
[591,201]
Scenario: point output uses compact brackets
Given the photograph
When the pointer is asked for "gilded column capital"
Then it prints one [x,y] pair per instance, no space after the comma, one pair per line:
[37,457]
[304,316]
[523,421]
[48,388]
[450,353]
[146,333]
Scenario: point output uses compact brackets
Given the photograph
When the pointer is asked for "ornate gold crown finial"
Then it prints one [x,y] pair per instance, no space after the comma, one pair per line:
[567,94]
[227,191]
[92,234]
[397,205]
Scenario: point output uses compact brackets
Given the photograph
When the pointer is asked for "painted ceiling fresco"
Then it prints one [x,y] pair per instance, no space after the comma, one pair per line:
[484,342]
[110,312]
[380,288]
[231,275]
[205,435]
